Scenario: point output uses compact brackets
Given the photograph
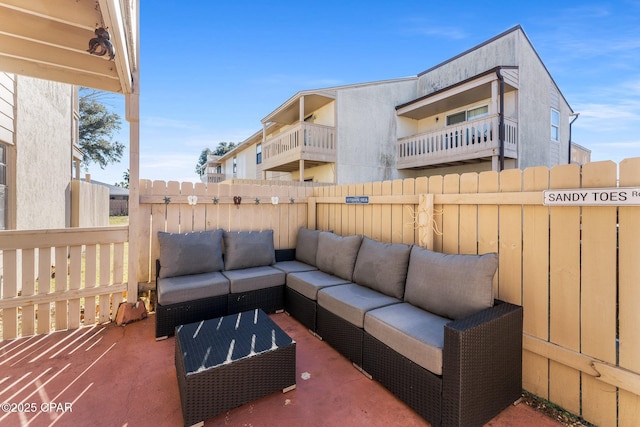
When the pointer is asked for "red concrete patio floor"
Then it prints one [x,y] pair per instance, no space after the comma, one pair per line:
[120,376]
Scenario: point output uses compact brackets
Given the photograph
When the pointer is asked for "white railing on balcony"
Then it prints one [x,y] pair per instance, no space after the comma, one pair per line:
[214,178]
[470,140]
[306,141]
[60,279]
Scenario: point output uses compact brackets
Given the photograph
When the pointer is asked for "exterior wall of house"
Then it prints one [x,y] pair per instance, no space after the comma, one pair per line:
[44,135]
[367,132]
[502,51]
[368,128]
[324,173]
[245,163]
[532,109]
[538,94]
[325,115]
[7,150]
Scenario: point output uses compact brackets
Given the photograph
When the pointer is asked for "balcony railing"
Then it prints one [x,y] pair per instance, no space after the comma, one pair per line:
[214,178]
[306,141]
[472,140]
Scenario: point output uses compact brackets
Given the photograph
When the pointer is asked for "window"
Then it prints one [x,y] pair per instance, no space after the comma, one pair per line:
[456,118]
[259,153]
[555,125]
[476,113]
[471,114]
[235,165]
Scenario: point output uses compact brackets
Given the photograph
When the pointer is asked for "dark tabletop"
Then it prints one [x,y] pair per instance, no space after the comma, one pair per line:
[216,342]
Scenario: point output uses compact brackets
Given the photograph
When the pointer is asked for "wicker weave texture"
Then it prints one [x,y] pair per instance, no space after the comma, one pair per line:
[300,307]
[482,366]
[210,384]
[170,316]
[342,335]
[269,300]
[418,388]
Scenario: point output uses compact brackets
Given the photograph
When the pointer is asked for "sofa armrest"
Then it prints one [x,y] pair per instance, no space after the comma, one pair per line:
[482,364]
[285,255]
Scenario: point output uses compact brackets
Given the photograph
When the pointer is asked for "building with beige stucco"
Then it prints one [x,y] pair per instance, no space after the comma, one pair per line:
[492,107]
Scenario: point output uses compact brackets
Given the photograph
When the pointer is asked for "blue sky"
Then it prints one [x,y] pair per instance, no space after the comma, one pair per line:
[211,70]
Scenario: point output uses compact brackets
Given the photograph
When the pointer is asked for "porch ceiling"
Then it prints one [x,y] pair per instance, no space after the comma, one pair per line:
[450,98]
[289,112]
[49,40]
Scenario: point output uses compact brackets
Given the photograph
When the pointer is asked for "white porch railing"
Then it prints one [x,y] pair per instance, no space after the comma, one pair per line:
[474,139]
[306,141]
[59,279]
[214,178]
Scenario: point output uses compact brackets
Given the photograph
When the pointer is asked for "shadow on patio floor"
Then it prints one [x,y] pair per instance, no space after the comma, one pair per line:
[120,376]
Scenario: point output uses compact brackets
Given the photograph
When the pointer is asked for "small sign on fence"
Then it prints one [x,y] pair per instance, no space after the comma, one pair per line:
[593,197]
[356,200]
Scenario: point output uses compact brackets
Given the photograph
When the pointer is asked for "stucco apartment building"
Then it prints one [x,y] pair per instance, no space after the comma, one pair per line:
[492,107]
[38,152]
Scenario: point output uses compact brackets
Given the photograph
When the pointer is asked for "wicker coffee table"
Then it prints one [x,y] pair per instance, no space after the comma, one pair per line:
[226,362]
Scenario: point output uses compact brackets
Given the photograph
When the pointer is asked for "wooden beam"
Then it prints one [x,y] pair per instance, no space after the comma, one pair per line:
[27,239]
[605,372]
[60,296]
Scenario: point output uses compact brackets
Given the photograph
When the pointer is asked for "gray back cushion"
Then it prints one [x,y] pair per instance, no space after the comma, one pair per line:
[452,286]
[382,266]
[244,249]
[307,246]
[337,255]
[190,253]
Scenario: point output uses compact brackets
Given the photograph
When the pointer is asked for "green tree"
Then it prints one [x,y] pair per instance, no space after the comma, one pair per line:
[221,149]
[125,180]
[202,160]
[96,128]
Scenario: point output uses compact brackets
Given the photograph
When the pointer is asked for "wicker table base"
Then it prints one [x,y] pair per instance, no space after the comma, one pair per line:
[229,361]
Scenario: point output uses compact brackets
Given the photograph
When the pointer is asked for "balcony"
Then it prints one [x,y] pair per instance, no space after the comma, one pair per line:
[468,142]
[315,144]
[214,178]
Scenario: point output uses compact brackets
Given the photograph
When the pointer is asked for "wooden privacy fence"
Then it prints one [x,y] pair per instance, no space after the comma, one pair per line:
[60,279]
[574,269]
[176,207]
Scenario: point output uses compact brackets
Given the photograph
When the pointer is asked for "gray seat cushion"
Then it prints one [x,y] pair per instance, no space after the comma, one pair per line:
[416,334]
[245,249]
[293,266]
[310,282]
[190,253]
[382,266]
[452,286]
[307,246]
[173,290]
[251,279]
[337,255]
[351,301]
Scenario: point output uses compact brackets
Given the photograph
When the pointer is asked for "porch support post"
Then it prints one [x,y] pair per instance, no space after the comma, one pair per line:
[133,117]
[494,98]
[493,109]
[301,170]
[495,163]
[301,112]
[132,108]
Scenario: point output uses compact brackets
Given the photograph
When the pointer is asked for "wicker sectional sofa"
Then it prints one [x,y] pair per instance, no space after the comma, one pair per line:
[194,281]
[423,324]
